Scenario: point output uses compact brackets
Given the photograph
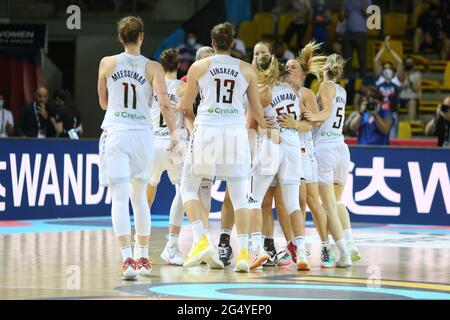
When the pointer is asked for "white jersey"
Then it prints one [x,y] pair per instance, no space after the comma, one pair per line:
[160,129]
[222,89]
[285,101]
[129,95]
[331,128]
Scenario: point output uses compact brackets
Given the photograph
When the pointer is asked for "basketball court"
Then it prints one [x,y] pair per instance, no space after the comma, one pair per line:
[77,259]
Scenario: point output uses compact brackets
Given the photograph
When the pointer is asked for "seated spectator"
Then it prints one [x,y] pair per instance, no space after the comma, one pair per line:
[283,55]
[6,120]
[65,121]
[439,126]
[35,119]
[379,66]
[321,18]
[373,123]
[432,31]
[298,26]
[409,96]
[238,50]
[187,53]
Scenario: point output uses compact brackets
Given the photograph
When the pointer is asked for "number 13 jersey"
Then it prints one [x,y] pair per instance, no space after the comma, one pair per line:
[129,95]
[222,89]
[331,129]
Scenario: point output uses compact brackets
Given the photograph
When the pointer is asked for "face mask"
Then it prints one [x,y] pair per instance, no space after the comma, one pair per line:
[388,74]
[191,41]
[408,66]
[1,103]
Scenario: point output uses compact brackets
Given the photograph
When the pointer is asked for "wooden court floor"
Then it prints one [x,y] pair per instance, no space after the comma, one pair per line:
[79,259]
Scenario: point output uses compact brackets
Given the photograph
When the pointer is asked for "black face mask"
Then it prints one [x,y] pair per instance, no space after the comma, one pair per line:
[409,66]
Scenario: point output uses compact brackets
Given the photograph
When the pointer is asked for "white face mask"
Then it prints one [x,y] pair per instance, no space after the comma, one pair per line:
[388,74]
[1,103]
[191,41]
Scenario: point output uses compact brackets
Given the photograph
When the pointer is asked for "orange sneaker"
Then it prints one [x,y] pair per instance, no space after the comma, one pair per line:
[129,270]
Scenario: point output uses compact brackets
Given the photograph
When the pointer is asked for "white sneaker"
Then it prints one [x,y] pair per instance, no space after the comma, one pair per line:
[345,261]
[129,270]
[302,261]
[214,262]
[354,252]
[172,255]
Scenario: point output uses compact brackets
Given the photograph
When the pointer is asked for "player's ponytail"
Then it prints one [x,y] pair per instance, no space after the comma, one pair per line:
[334,67]
[129,29]
[310,61]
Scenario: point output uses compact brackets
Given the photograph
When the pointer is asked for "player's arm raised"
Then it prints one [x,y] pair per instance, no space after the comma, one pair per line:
[189,95]
[327,93]
[159,86]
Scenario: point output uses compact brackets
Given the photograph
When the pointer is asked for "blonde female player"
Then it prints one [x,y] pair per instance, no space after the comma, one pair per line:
[125,85]
[333,156]
[220,126]
[278,155]
[309,63]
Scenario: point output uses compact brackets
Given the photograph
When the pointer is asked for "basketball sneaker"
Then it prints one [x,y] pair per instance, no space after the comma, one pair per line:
[283,259]
[129,270]
[345,261]
[327,258]
[272,260]
[225,253]
[214,261]
[242,261]
[201,251]
[302,261]
[144,267]
[258,257]
[172,255]
[354,252]
[292,248]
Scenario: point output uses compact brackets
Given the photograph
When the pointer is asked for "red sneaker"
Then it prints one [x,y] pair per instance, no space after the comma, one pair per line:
[144,267]
[129,270]
[292,248]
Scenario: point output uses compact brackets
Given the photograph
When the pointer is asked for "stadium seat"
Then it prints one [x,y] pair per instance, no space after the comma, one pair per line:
[248,33]
[446,85]
[429,85]
[428,106]
[394,24]
[404,130]
[266,24]
[284,20]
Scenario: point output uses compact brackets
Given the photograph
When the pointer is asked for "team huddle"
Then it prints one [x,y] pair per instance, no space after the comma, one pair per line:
[254,126]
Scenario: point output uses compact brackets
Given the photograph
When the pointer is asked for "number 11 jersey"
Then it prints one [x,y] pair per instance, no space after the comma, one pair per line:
[331,129]
[222,89]
[129,95]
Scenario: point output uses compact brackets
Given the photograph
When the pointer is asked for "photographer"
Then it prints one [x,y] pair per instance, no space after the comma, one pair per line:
[372,123]
[440,125]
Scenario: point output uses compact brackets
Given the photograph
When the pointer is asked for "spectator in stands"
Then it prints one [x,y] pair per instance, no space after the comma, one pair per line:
[432,31]
[379,66]
[238,50]
[439,126]
[65,118]
[409,96]
[388,89]
[372,123]
[202,52]
[321,18]
[283,55]
[355,37]
[35,119]
[340,32]
[6,120]
[298,26]
[187,53]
